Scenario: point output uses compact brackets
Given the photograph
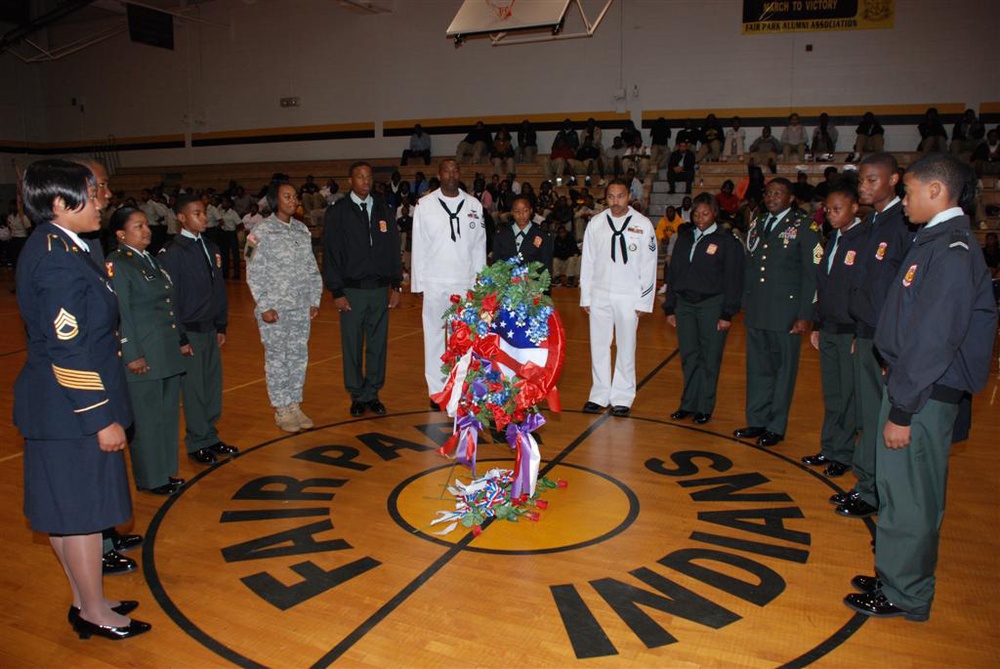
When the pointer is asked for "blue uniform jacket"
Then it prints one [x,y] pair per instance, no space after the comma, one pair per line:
[73,382]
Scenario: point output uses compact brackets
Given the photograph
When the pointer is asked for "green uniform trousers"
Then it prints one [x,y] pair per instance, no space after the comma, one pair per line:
[364,331]
[772,365]
[911,489]
[701,346]
[201,386]
[840,420]
[868,391]
[156,405]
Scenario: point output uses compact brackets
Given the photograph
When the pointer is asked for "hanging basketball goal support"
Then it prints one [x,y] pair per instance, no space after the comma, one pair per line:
[508,22]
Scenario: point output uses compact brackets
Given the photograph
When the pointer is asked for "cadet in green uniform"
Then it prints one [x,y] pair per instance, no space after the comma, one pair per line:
[935,335]
[783,249]
[152,350]
[704,286]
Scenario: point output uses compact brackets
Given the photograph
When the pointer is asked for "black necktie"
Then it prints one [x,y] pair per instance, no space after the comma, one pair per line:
[769,223]
[453,221]
[368,222]
[620,235]
[364,210]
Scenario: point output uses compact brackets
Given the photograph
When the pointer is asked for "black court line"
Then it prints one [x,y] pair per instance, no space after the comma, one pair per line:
[383,612]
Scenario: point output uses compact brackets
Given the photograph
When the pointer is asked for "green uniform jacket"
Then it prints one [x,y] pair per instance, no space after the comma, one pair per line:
[780,282]
[149,328]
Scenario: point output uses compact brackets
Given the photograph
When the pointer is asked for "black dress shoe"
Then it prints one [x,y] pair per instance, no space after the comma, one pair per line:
[702,418]
[620,411]
[680,414]
[876,605]
[856,508]
[176,480]
[842,497]
[166,489]
[817,460]
[770,439]
[435,406]
[125,542]
[114,563]
[86,629]
[835,469]
[866,584]
[221,448]
[125,607]
[593,407]
[748,432]
[377,407]
[357,408]
[203,456]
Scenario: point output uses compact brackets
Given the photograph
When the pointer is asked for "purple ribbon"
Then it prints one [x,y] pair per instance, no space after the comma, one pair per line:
[517,438]
[468,428]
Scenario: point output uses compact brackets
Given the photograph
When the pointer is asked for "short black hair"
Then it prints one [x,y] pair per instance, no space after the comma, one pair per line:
[183,200]
[846,186]
[782,181]
[883,159]
[359,163]
[618,182]
[121,216]
[707,199]
[957,176]
[272,192]
[46,180]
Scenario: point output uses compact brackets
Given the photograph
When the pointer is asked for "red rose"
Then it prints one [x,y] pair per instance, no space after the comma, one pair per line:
[562,483]
[542,504]
[532,516]
[519,416]
[461,339]
[537,301]
[455,299]
[490,303]
[516,279]
[477,530]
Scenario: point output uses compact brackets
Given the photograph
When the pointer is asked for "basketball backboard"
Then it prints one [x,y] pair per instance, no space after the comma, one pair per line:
[494,16]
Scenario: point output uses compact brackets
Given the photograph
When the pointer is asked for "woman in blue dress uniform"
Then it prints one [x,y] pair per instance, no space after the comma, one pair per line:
[70,399]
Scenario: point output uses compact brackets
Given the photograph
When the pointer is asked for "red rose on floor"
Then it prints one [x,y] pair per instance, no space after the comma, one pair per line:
[562,483]
[477,530]
[542,504]
[531,515]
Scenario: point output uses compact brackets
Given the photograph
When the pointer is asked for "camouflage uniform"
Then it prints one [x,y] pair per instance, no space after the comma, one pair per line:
[283,275]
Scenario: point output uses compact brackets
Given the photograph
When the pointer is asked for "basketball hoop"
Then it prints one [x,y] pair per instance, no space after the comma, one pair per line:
[502,8]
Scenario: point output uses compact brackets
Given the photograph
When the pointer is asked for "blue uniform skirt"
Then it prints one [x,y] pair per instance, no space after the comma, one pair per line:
[71,486]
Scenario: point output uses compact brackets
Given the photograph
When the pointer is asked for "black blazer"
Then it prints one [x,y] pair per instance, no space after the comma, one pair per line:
[359,253]
[536,247]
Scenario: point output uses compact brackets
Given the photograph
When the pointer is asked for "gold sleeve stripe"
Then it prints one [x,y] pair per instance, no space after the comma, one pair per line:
[78,380]
[92,406]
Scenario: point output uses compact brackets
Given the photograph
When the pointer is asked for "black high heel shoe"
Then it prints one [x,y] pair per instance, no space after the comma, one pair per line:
[86,629]
[125,607]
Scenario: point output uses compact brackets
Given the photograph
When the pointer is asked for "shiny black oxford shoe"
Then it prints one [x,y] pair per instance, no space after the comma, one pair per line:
[357,408]
[769,438]
[221,448]
[377,407]
[680,414]
[749,432]
[876,605]
[817,460]
[856,508]
[203,456]
[702,418]
[125,542]
[835,469]
[592,407]
[114,563]
[866,584]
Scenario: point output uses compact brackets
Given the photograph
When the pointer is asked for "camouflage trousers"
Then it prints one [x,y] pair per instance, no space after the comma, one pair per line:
[286,354]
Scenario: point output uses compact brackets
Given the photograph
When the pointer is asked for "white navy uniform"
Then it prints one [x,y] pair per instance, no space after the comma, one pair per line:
[617,280]
[449,250]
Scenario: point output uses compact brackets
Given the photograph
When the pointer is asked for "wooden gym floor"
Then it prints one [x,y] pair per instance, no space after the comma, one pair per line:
[315,549]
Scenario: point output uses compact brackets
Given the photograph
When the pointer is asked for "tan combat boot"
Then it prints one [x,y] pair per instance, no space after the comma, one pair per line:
[304,421]
[286,419]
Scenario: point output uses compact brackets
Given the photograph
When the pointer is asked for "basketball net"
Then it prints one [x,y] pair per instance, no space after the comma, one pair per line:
[502,8]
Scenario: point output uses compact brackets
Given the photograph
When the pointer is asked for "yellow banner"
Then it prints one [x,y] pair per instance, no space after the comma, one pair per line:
[784,16]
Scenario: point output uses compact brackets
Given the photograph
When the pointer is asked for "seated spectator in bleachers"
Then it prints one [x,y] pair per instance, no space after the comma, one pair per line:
[636,191]
[515,185]
[565,258]
[629,133]
[527,143]
[794,139]
[822,189]
[420,146]
[765,149]
[481,193]
[686,209]
[729,202]
[666,229]
[420,185]
[933,136]
[570,133]
[528,193]
[584,209]
[502,153]
[546,199]
[562,214]
[502,203]
[711,136]
[803,191]
[614,157]
[967,135]
[593,131]
[986,157]
[870,138]
[680,167]
[587,157]
[736,141]
[824,141]
[687,134]
[556,163]
[659,141]
[475,146]
[637,158]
